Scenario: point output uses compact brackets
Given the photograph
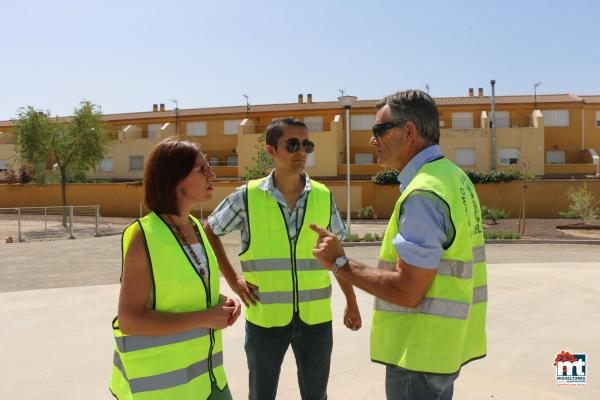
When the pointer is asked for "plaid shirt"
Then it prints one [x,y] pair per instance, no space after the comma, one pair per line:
[231,214]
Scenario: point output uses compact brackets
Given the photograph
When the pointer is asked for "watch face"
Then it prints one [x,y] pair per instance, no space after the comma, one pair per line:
[340,261]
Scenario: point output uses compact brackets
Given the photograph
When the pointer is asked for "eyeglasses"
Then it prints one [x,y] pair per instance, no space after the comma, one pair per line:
[293,145]
[203,169]
[380,129]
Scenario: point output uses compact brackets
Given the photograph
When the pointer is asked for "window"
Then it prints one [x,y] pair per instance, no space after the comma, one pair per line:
[597,119]
[556,117]
[230,126]
[502,119]
[363,158]
[464,157]
[314,124]
[136,163]
[310,160]
[509,156]
[231,160]
[555,157]
[362,122]
[462,120]
[3,166]
[107,165]
[197,128]
[153,130]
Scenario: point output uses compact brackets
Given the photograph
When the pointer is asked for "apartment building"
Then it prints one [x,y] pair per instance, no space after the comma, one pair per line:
[551,135]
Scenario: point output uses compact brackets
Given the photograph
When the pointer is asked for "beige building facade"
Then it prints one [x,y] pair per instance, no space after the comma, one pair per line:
[552,135]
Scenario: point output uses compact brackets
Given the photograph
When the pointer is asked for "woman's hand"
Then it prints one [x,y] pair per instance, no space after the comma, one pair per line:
[231,302]
[219,316]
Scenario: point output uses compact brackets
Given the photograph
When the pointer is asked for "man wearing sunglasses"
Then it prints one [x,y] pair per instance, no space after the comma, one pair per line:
[286,292]
[430,286]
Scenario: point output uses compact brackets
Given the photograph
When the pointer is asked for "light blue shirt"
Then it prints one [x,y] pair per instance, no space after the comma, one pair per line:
[424,220]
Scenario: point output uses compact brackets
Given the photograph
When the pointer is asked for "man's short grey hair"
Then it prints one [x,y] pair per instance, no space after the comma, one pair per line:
[418,107]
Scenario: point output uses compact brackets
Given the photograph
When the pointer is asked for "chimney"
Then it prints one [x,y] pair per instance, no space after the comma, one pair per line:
[154,107]
[300,98]
[309,98]
[470,92]
[162,106]
[480,92]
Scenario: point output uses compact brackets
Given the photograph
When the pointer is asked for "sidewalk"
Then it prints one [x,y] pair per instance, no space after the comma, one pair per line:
[57,343]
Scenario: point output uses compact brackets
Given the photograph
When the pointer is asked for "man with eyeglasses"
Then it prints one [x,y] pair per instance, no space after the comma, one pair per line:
[430,286]
[286,292]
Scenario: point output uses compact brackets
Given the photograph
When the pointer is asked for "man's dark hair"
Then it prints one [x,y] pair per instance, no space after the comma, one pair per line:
[169,163]
[418,107]
[275,129]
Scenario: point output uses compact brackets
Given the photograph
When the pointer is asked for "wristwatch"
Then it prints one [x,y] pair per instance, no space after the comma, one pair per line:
[339,263]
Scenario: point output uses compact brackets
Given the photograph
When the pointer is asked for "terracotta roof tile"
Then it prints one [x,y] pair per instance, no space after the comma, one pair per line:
[332,105]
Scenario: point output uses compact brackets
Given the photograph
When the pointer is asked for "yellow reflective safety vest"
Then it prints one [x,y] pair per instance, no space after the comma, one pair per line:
[447,329]
[288,276]
[181,365]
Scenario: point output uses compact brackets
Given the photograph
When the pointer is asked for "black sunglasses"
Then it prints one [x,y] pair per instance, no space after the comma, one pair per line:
[380,129]
[293,145]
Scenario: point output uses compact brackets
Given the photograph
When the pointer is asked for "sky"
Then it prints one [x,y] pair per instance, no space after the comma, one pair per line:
[127,55]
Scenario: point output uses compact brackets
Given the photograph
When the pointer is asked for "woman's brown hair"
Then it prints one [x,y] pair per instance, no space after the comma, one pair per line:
[169,163]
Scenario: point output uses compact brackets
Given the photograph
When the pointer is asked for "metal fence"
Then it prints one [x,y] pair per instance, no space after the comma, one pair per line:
[39,223]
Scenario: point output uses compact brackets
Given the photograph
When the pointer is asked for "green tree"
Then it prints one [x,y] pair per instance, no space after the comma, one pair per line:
[263,162]
[72,146]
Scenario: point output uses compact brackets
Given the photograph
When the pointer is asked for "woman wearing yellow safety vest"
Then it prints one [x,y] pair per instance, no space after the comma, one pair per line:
[168,329]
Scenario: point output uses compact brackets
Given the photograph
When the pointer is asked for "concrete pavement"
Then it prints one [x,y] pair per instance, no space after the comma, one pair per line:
[56,340]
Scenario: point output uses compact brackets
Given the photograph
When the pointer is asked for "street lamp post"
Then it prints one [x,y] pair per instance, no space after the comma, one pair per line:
[176,116]
[535,86]
[493,83]
[347,102]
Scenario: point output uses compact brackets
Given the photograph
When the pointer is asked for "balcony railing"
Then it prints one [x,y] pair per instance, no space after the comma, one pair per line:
[228,162]
[502,121]
[312,127]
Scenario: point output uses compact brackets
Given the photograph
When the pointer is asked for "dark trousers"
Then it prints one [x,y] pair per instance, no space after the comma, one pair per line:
[266,347]
[401,384]
[217,394]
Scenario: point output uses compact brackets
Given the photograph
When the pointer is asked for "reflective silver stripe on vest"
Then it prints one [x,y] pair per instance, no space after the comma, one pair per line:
[431,306]
[168,379]
[314,294]
[480,294]
[272,264]
[309,265]
[478,254]
[288,297]
[280,264]
[455,268]
[133,343]
[459,269]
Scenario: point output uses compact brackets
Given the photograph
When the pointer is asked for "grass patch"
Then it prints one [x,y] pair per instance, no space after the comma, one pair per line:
[368,237]
[490,234]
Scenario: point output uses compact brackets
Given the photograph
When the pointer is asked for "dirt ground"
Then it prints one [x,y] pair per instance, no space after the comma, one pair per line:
[545,228]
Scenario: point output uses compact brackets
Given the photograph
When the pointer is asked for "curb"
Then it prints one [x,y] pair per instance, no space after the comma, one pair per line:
[498,241]
[543,241]
[361,244]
